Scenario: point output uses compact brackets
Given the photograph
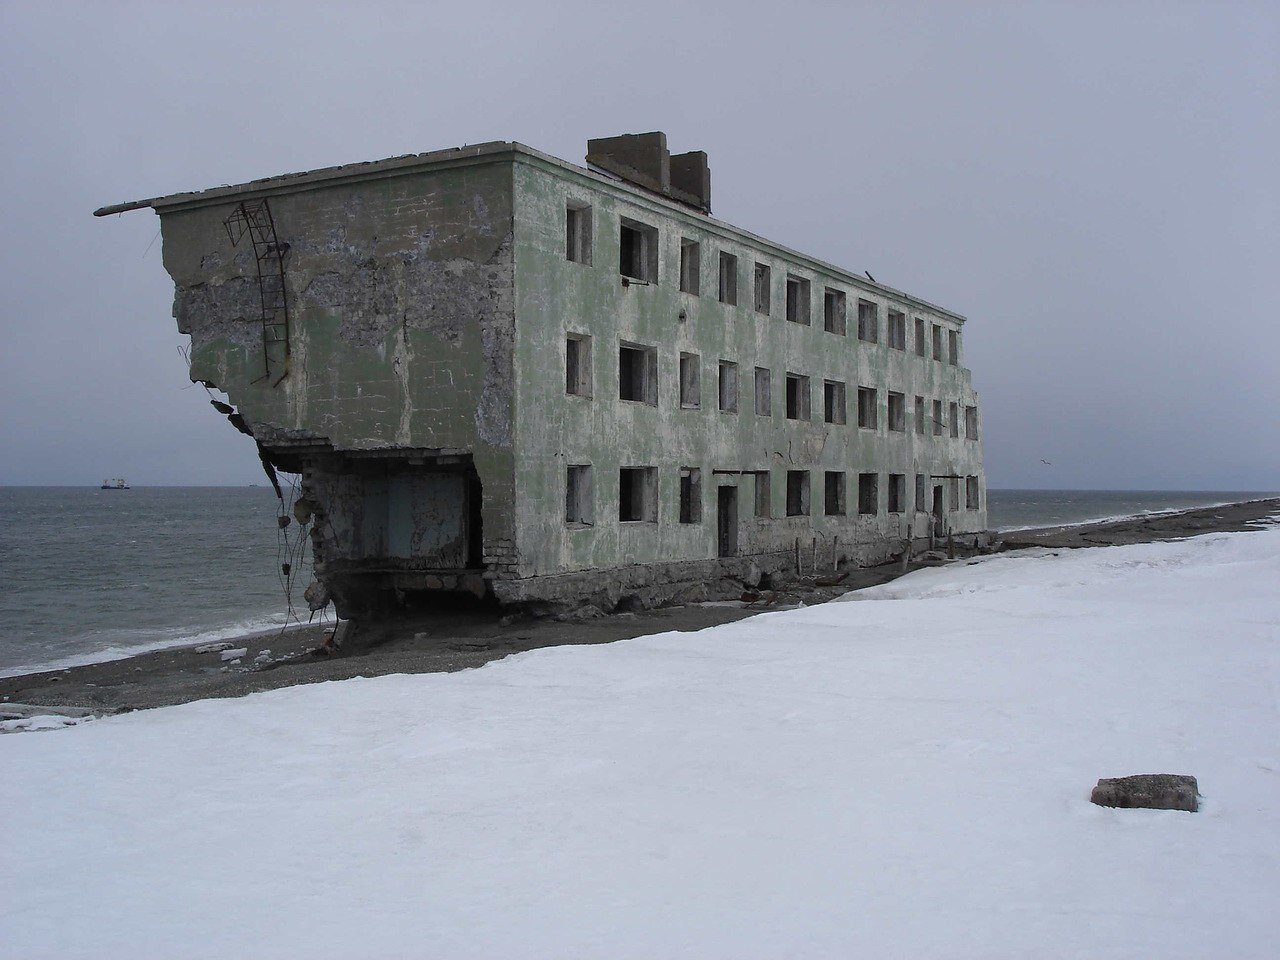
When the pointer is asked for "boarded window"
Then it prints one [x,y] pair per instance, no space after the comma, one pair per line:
[690,266]
[867,408]
[638,373]
[971,493]
[897,492]
[937,342]
[579,507]
[897,322]
[953,490]
[833,309]
[868,493]
[637,494]
[937,418]
[953,421]
[897,412]
[922,493]
[691,495]
[764,494]
[577,232]
[921,344]
[797,299]
[577,365]
[834,493]
[728,387]
[763,291]
[833,401]
[797,397]
[953,347]
[638,251]
[971,423]
[920,415]
[797,493]
[690,380]
[764,392]
[728,278]
[868,321]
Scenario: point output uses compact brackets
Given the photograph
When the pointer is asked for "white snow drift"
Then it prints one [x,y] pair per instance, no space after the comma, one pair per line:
[905,774]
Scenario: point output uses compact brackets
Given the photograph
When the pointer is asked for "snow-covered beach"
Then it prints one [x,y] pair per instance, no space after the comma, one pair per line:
[902,774]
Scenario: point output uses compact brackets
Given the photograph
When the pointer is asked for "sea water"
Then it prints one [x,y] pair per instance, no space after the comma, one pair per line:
[88,574]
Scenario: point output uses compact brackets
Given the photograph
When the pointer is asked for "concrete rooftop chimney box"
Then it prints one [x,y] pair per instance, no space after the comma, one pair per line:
[643,159]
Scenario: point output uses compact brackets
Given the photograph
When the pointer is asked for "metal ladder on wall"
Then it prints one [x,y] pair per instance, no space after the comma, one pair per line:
[253,218]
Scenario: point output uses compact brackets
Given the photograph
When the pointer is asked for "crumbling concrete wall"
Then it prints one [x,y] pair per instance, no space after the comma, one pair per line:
[400,294]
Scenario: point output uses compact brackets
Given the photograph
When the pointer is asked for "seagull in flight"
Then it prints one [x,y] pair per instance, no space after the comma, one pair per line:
[1047,463]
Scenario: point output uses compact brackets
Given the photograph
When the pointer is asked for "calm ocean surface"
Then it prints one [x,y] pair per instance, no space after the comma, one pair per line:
[89,574]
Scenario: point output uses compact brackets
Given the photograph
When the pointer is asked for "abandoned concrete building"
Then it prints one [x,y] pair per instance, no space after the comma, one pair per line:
[502,373]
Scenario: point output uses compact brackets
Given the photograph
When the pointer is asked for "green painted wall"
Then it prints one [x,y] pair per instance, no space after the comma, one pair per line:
[555,296]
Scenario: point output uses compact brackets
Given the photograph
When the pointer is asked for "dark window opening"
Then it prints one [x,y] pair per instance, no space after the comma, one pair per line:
[897,492]
[867,408]
[868,493]
[833,319]
[797,493]
[690,381]
[797,299]
[897,412]
[868,321]
[637,496]
[577,366]
[764,295]
[638,251]
[728,278]
[764,392]
[833,401]
[797,397]
[834,493]
[577,233]
[764,494]
[690,267]
[578,505]
[637,374]
[897,330]
[691,495]
[728,387]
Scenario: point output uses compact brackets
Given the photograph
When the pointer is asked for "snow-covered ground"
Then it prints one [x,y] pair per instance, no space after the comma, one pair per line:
[905,774]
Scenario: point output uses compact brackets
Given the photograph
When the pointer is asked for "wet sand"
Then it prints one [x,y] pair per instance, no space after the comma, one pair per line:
[460,639]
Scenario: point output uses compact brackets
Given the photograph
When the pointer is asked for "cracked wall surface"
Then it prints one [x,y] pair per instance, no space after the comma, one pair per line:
[402,314]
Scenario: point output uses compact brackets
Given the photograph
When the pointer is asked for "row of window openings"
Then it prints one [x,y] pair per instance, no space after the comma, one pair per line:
[638,260]
[638,494]
[638,381]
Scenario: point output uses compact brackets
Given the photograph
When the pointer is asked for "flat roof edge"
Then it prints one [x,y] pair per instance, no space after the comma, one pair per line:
[494,149]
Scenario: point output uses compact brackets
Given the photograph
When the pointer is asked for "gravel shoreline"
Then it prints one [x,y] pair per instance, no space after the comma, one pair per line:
[461,639]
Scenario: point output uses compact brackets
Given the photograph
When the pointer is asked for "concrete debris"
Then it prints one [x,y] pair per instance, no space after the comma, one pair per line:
[1155,791]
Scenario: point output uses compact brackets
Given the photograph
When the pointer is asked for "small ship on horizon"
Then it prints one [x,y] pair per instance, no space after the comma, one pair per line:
[119,483]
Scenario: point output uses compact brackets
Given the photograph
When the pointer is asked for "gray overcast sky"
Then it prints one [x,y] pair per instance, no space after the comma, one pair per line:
[1093,186]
